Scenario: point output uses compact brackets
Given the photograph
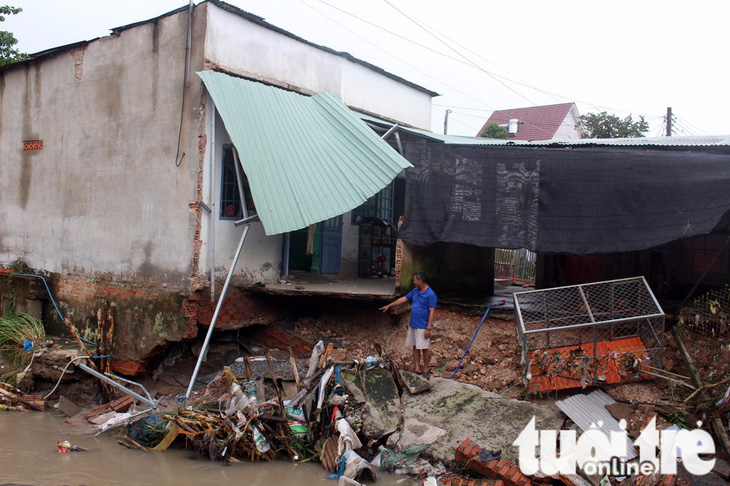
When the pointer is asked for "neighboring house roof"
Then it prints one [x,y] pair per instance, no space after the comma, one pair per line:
[684,141]
[307,158]
[535,122]
[248,16]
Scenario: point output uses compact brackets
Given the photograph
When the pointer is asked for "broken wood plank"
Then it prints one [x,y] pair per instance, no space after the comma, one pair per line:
[130,442]
[328,350]
[19,399]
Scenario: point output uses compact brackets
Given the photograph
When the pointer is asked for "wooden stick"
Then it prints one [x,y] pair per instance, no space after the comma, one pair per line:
[328,350]
[706,386]
[294,369]
[133,443]
[249,373]
[13,396]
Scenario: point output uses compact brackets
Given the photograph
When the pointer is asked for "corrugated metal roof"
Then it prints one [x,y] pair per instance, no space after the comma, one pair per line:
[307,158]
[587,410]
[684,141]
[693,141]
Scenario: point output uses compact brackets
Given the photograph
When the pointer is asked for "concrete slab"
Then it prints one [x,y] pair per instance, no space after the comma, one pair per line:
[414,383]
[382,409]
[467,412]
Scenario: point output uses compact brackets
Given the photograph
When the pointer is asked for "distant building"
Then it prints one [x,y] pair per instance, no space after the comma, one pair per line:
[547,122]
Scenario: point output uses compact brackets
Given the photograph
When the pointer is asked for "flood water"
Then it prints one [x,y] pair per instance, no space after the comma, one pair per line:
[29,457]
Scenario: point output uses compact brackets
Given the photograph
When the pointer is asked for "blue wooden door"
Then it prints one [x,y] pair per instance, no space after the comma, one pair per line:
[331,245]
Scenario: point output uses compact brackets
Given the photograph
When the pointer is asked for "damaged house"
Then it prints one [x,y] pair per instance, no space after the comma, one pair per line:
[122,186]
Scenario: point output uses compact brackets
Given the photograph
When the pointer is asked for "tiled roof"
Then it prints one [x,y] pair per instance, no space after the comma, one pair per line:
[536,122]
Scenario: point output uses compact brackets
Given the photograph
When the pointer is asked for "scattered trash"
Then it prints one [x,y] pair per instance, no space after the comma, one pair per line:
[66,446]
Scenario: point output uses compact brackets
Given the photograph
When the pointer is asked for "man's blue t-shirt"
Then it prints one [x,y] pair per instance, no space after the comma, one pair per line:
[421,302]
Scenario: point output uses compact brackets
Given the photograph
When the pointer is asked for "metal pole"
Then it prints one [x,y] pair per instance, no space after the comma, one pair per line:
[105,378]
[204,349]
[188,43]
[669,121]
[211,200]
[446,121]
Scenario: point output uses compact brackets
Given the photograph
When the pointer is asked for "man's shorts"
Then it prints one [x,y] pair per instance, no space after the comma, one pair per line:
[416,337]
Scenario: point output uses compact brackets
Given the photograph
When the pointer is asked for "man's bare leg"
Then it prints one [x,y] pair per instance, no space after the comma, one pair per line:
[426,366]
[417,360]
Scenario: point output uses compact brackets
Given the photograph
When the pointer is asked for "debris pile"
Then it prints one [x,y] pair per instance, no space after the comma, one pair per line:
[13,399]
[246,413]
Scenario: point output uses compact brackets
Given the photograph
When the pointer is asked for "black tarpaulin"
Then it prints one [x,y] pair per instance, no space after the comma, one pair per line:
[563,200]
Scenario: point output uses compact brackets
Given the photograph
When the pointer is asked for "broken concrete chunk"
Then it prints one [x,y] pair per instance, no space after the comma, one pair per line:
[415,432]
[376,388]
[464,410]
[620,411]
[103,418]
[414,383]
[68,407]
[353,385]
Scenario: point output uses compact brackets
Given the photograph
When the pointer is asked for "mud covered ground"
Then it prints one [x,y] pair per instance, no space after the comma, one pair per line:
[493,359]
[357,330]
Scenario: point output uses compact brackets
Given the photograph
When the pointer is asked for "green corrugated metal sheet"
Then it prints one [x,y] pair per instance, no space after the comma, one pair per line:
[307,158]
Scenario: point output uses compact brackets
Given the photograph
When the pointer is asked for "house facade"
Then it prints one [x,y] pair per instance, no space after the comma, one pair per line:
[116,172]
[547,122]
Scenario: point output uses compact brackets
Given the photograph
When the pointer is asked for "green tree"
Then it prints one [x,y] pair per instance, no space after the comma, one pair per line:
[493,130]
[603,125]
[8,53]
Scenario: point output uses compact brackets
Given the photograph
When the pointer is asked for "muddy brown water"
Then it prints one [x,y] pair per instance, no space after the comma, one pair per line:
[29,456]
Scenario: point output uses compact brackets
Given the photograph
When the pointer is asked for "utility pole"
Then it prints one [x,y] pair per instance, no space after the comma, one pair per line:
[446,121]
[669,121]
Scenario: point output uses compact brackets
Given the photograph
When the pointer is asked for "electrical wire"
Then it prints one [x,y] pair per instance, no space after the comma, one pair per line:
[63,373]
[50,295]
[468,62]
[459,53]
[389,53]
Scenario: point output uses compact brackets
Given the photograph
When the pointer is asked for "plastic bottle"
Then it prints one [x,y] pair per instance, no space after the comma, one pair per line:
[251,394]
[260,440]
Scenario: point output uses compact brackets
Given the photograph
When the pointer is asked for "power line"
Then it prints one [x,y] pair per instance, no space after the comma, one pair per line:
[495,76]
[459,53]
[468,62]
[395,57]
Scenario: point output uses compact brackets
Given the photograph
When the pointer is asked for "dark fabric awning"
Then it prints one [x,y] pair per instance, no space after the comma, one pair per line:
[563,200]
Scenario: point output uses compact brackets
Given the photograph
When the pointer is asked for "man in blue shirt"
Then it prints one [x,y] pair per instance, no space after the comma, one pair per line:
[423,306]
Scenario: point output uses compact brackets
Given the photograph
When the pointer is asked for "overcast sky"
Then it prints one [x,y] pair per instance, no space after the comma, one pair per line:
[624,57]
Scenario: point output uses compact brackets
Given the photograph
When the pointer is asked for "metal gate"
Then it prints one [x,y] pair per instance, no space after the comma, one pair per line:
[517,266]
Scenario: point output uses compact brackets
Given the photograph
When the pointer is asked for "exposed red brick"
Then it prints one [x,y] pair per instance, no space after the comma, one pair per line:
[128,368]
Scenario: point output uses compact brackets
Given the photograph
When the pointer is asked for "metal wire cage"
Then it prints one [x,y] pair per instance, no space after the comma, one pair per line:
[579,335]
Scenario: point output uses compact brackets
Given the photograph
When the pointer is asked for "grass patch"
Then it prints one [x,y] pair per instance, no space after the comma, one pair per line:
[15,330]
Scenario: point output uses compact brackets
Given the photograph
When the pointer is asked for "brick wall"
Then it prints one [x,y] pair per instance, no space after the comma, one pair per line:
[149,318]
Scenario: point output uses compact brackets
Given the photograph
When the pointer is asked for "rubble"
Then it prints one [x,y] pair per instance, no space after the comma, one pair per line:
[340,409]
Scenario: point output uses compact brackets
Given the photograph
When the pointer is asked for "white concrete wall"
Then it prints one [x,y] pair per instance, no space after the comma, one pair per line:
[260,259]
[245,48]
[569,129]
[104,196]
